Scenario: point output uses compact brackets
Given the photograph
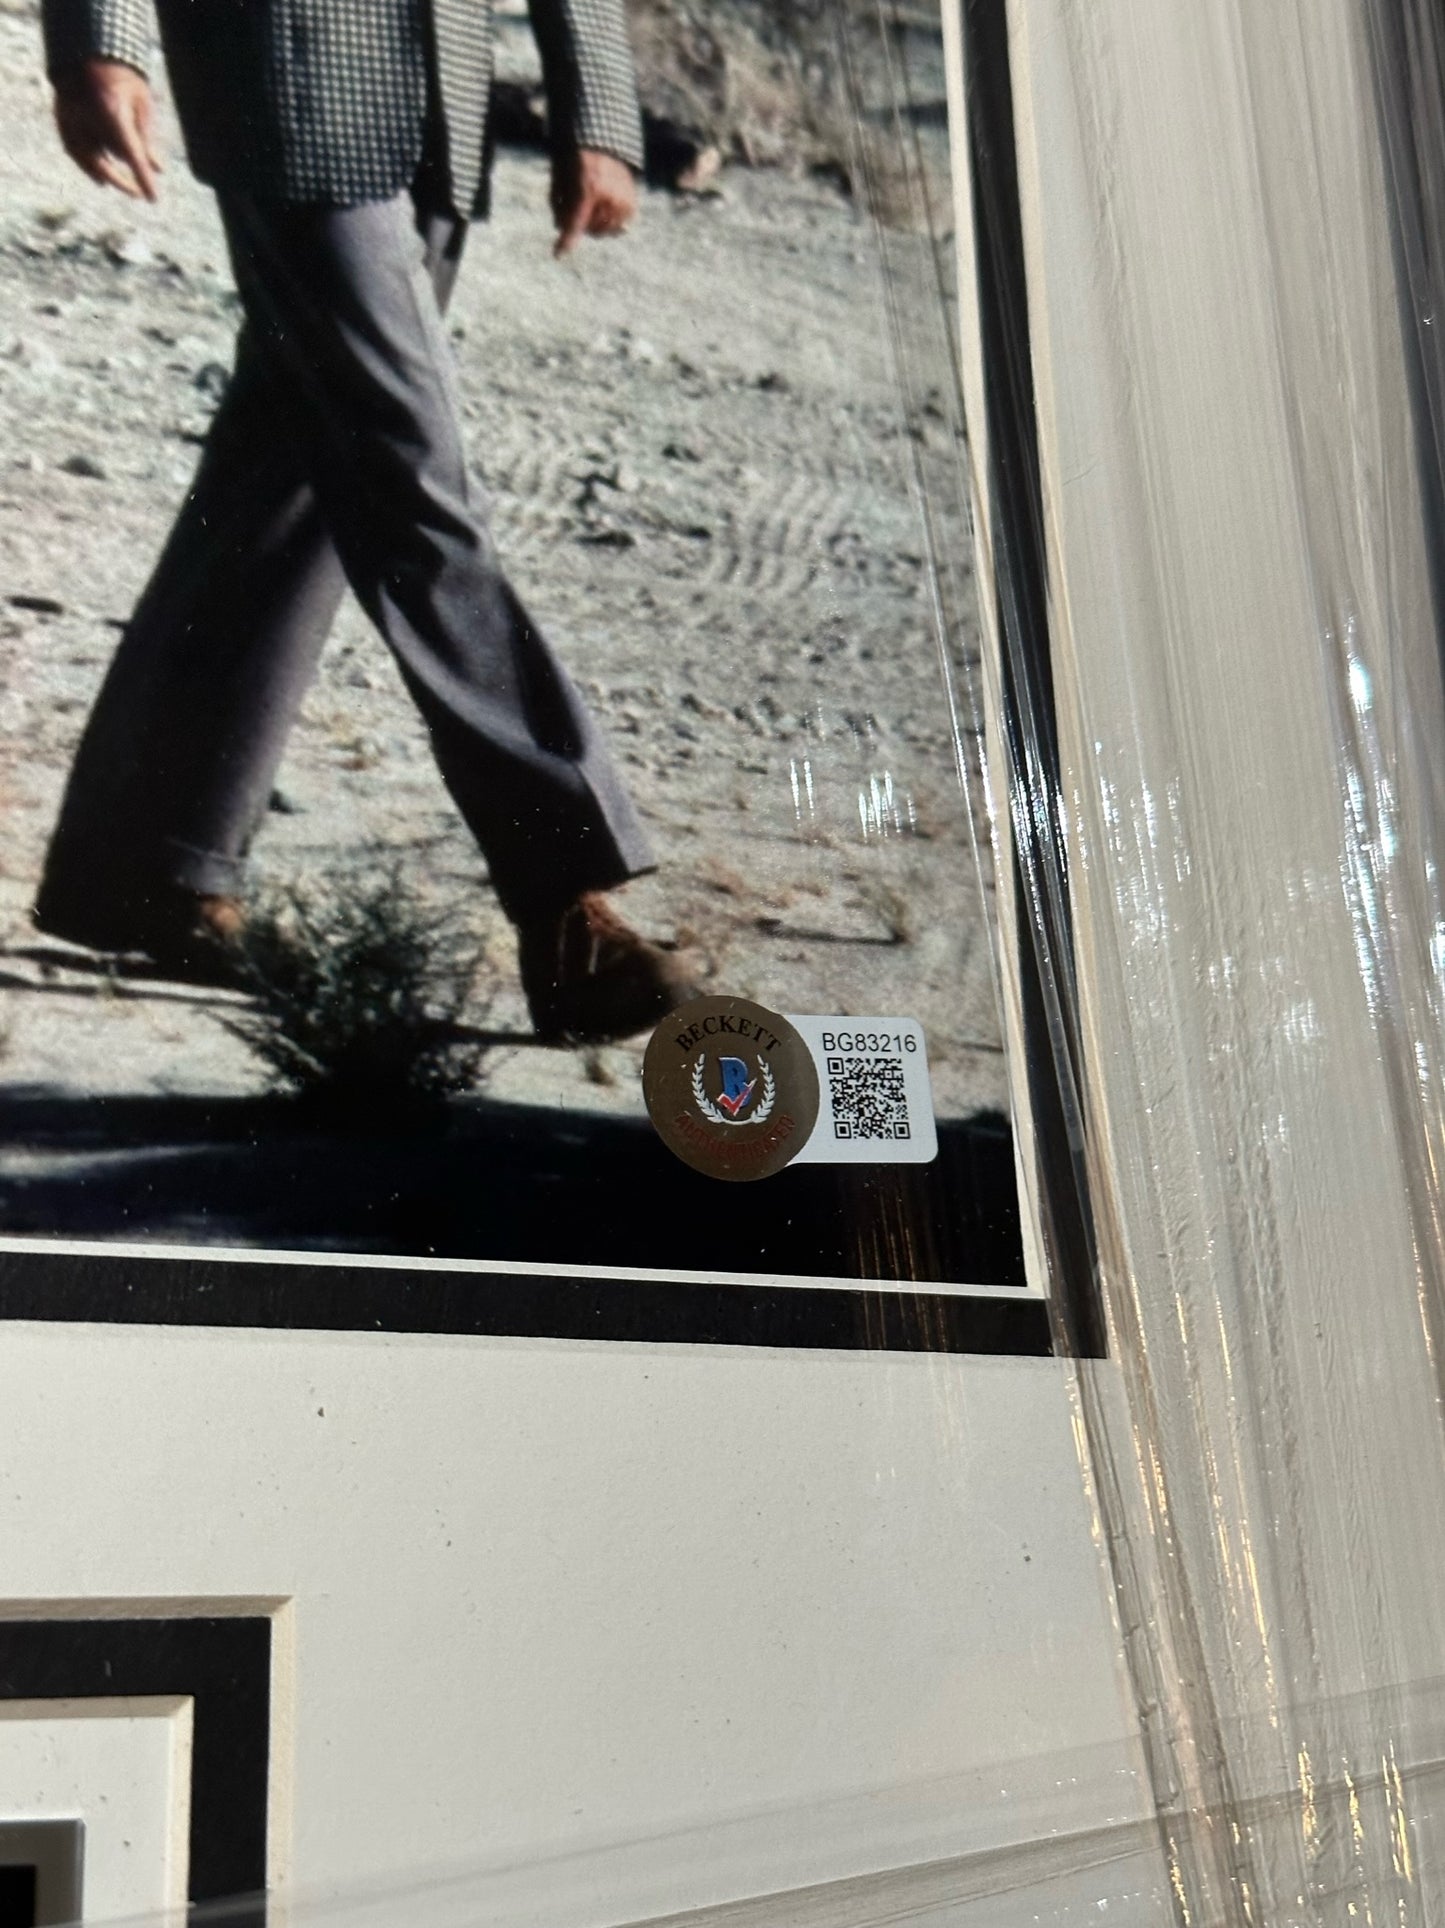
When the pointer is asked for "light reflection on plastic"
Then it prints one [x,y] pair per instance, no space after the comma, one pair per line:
[884,810]
[804,800]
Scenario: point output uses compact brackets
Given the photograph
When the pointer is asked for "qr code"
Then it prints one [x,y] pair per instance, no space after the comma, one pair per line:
[870,1099]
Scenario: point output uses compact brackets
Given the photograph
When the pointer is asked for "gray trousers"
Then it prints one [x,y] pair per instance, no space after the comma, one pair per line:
[335,458]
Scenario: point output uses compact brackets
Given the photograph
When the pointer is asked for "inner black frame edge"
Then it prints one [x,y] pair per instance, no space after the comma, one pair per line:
[191,1290]
[1030,714]
[223,1664]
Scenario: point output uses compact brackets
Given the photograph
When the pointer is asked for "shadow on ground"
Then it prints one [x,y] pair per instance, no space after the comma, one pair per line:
[496,1181]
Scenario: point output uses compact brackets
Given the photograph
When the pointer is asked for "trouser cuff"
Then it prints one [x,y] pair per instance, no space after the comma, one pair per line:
[549,895]
[206,872]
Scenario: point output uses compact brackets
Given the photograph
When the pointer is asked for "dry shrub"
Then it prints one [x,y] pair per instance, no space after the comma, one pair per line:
[706,71]
[779,83]
[869,165]
[359,991]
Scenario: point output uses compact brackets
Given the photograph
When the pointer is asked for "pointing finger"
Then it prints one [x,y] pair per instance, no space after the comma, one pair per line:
[137,156]
[108,171]
[574,227]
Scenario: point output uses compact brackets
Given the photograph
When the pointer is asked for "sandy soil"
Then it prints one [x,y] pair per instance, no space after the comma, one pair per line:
[703,446]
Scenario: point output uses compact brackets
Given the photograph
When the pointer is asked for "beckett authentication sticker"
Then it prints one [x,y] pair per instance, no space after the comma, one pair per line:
[877,1103]
[728,1088]
[731,1087]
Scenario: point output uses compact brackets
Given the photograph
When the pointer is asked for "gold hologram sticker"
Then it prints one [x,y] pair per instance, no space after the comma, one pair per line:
[731,1087]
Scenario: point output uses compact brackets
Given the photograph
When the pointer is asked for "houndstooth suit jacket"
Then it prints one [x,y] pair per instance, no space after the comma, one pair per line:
[326,100]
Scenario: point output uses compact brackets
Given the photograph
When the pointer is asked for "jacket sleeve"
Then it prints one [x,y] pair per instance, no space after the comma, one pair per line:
[77,30]
[589,74]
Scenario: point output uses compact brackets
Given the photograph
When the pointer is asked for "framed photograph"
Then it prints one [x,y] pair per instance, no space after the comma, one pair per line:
[487,568]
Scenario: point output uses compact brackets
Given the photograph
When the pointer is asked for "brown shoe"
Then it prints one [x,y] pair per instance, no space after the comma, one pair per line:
[590,978]
[194,937]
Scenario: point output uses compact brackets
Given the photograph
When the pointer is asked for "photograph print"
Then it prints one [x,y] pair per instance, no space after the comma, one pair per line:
[484,564]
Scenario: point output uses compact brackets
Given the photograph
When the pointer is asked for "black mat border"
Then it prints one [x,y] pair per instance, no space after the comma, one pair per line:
[291,1295]
[1029,710]
[223,1664]
[52,1854]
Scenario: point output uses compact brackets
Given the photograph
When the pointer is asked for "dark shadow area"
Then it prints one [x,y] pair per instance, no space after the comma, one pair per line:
[917,113]
[17,1897]
[495,1181]
[132,978]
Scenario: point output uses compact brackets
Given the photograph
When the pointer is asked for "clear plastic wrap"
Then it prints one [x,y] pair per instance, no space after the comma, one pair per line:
[1228,244]
[1200,356]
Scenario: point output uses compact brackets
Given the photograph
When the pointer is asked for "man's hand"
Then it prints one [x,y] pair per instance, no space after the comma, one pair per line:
[591,194]
[106,117]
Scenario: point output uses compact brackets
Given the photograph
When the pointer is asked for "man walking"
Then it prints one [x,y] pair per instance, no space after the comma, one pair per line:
[346,141]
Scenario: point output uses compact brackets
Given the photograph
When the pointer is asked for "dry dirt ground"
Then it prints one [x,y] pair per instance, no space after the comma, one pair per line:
[704,447]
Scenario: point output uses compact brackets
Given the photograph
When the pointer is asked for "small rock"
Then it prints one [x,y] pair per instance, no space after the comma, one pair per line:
[37,605]
[211,380]
[626,480]
[126,250]
[703,170]
[711,712]
[772,383]
[608,539]
[365,754]
[282,805]
[599,1071]
[84,465]
[680,452]
[639,350]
